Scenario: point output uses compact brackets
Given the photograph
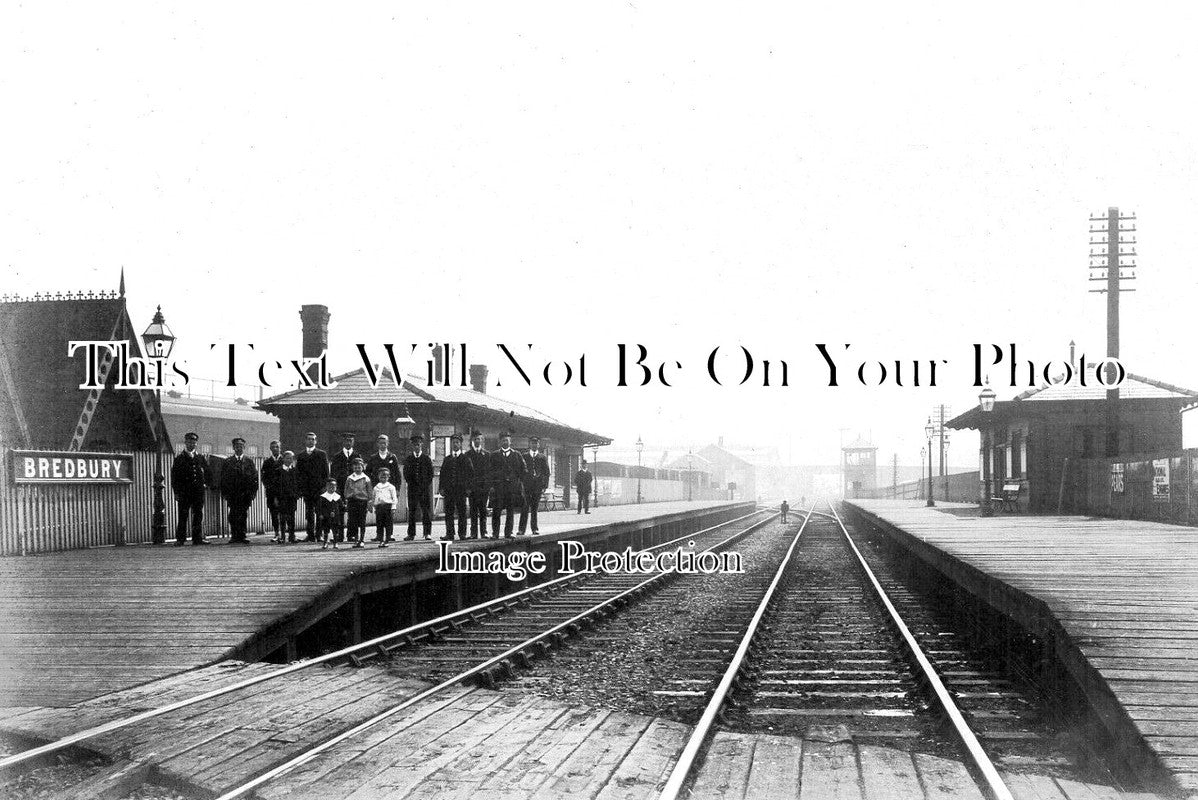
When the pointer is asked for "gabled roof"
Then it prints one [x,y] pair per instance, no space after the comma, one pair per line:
[1134,387]
[42,401]
[354,388]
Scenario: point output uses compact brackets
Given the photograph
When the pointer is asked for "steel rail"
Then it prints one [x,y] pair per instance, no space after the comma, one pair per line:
[977,755]
[698,738]
[417,630]
[316,750]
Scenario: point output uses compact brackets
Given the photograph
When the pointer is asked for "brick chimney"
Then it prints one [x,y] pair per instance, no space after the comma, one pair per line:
[315,321]
[478,378]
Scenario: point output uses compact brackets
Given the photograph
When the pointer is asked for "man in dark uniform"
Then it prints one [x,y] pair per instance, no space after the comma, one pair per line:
[785,509]
[189,478]
[536,480]
[382,459]
[480,483]
[311,474]
[270,482]
[341,462]
[238,485]
[582,482]
[418,472]
[457,476]
[507,484]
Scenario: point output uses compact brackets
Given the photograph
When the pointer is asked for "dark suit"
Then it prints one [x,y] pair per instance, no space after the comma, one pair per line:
[582,482]
[457,478]
[507,488]
[238,485]
[536,481]
[480,488]
[311,473]
[418,472]
[340,466]
[271,467]
[377,462]
[289,494]
[189,477]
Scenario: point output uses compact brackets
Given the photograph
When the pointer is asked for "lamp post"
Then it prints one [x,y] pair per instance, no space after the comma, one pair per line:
[595,466]
[640,446]
[690,475]
[986,401]
[930,431]
[159,341]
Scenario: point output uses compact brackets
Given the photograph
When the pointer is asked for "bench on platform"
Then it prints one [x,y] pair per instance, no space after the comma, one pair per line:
[1008,498]
[551,499]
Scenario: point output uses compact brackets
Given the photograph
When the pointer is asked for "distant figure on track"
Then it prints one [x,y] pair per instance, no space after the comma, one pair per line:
[785,510]
[239,486]
[583,480]
[190,476]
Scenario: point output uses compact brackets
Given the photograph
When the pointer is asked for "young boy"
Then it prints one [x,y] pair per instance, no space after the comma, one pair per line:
[358,495]
[288,497]
[385,501]
[328,515]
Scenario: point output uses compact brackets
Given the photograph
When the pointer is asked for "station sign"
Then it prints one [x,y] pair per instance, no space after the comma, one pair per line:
[43,466]
[1160,479]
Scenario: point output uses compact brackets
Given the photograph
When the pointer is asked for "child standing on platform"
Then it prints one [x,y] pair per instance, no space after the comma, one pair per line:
[358,495]
[385,501]
[328,515]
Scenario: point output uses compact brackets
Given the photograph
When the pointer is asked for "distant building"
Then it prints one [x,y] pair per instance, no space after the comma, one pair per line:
[41,404]
[730,471]
[1031,439]
[216,422]
[859,468]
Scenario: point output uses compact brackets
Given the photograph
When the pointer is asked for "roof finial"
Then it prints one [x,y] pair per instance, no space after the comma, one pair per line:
[122,290]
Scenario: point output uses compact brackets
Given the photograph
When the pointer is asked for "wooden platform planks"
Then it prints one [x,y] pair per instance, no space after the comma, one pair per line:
[473,743]
[742,766]
[77,624]
[1125,593]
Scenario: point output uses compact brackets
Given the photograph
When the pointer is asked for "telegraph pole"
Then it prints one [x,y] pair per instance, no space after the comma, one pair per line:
[1107,265]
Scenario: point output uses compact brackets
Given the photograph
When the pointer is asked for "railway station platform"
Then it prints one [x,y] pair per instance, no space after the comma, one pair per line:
[470,742]
[1117,601]
[82,623]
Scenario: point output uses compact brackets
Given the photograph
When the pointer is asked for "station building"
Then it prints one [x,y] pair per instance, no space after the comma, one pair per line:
[1033,439]
[434,412]
[41,404]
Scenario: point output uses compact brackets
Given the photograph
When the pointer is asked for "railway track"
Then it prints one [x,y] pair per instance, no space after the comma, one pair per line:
[841,646]
[510,630]
[827,645]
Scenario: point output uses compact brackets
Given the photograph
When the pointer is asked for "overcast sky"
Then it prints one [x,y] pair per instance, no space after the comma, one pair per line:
[681,175]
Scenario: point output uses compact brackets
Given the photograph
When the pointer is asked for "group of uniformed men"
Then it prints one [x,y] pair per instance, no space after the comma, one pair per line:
[505,478]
